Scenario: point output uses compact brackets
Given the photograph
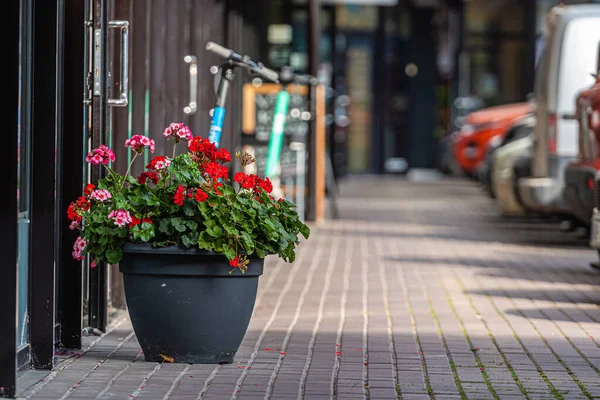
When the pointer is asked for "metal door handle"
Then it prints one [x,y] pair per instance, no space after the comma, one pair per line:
[123,99]
[192,107]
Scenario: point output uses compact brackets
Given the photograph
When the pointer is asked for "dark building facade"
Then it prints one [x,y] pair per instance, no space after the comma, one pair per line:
[82,73]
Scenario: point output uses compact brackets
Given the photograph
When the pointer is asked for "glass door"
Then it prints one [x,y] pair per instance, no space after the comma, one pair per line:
[24,182]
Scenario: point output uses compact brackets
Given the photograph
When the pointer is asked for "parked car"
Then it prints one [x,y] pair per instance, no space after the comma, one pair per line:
[521,128]
[579,175]
[445,160]
[480,128]
[503,176]
[568,59]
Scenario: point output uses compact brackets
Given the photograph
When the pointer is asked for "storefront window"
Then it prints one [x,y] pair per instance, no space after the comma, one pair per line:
[495,43]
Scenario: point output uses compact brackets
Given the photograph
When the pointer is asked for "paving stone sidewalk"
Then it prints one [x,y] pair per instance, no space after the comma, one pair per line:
[420,291]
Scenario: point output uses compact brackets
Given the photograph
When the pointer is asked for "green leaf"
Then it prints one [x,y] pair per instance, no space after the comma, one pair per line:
[230,229]
[189,239]
[248,242]
[178,224]
[260,252]
[215,231]
[227,190]
[229,252]
[113,256]
[189,209]
[305,231]
[238,216]
[193,225]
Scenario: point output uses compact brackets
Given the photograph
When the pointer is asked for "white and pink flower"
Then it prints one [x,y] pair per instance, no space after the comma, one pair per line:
[159,163]
[78,248]
[101,195]
[179,131]
[101,155]
[121,217]
[138,143]
[74,225]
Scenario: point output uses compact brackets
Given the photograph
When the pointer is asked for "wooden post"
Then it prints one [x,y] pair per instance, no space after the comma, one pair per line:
[314,28]
[319,154]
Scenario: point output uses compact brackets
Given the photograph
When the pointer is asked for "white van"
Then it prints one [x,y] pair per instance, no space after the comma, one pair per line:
[566,66]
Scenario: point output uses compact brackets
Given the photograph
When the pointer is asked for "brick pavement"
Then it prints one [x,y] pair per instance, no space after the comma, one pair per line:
[420,291]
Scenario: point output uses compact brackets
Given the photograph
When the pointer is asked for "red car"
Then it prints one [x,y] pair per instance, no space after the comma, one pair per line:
[480,127]
[580,175]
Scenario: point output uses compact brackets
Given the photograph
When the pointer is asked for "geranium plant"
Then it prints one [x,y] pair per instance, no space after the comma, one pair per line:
[186,200]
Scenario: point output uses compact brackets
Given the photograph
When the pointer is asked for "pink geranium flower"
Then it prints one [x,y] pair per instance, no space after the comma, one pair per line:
[101,195]
[101,155]
[138,143]
[78,248]
[121,217]
[178,131]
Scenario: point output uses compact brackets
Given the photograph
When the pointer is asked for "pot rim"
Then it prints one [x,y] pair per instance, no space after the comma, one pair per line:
[144,248]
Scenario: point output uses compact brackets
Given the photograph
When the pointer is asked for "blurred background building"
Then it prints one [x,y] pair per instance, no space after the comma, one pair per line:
[404,64]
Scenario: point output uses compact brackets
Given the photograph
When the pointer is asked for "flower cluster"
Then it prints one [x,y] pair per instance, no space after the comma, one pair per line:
[138,143]
[121,217]
[158,163]
[178,131]
[101,155]
[180,194]
[185,200]
[148,175]
[78,248]
[100,195]
[206,151]
[253,182]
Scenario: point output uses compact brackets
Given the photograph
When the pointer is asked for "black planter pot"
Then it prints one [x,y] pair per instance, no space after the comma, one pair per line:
[185,304]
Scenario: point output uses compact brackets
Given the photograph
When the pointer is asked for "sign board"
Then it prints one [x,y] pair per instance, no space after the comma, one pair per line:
[259,103]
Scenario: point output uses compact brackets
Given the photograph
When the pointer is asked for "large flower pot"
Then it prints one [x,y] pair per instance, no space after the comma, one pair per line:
[186,304]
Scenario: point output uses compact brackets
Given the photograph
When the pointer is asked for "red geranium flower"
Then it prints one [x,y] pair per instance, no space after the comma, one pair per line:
[200,196]
[223,156]
[158,163]
[151,175]
[134,221]
[179,197]
[215,171]
[83,203]
[235,262]
[72,213]
[266,185]
[249,181]
[89,189]
[239,177]
[216,186]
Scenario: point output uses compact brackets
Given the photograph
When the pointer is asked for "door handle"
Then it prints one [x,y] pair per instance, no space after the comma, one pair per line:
[192,107]
[123,99]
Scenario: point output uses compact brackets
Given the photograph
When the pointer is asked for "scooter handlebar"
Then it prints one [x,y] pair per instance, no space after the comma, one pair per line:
[222,51]
[269,74]
[244,61]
